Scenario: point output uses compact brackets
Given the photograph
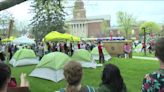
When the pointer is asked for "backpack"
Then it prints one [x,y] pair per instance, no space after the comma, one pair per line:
[90,89]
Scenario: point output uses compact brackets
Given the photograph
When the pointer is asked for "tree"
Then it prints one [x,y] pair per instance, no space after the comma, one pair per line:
[125,22]
[105,28]
[162,31]
[5,18]
[150,27]
[49,16]
[4,4]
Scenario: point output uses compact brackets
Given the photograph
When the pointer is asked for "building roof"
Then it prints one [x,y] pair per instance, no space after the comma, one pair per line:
[91,19]
[105,17]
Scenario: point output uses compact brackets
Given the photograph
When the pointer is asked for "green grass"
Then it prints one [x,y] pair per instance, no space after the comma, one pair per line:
[143,55]
[132,70]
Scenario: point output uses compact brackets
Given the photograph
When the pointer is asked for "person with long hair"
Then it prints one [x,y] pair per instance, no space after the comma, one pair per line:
[112,80]
[154,82]
[73,73]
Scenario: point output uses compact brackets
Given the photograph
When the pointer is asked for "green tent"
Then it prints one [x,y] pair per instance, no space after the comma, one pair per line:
[96,52]
[24,53]
[55,60]
[82,55]
[24,57]
[51,67]
[138,48]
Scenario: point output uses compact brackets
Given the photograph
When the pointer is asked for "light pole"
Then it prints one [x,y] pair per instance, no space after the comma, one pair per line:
[144,29]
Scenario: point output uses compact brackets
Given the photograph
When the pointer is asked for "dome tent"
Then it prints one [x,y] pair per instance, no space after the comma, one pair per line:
[51,66]
[138,48]
[24,57]
[23,40]
[95,54]
[85,58]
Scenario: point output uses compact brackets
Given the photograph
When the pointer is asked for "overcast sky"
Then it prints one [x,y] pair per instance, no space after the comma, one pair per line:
[142,10]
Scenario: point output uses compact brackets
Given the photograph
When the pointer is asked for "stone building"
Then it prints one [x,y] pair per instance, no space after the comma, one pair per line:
[82,26]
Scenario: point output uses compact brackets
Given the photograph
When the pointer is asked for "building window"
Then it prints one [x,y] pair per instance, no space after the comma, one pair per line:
[75,26]
[72,27]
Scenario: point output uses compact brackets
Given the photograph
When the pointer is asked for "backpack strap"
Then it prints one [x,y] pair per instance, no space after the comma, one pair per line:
[90,89]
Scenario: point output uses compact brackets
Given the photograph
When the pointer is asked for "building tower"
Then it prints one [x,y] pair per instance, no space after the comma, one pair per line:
[79,12]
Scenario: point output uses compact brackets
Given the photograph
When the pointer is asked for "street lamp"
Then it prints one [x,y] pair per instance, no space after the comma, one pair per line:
[144,29]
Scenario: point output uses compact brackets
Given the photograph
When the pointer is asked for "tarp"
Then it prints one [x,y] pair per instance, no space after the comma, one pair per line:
[53,36]
[8,39]
[55,60]
[71,37]
[23,40]
[76,39]
[56,36]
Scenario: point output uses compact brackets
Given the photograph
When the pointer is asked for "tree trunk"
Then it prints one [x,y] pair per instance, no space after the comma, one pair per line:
[126,34]
[4,4]
[145,41]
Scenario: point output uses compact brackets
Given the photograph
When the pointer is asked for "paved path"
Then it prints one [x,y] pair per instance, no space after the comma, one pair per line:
[146,58]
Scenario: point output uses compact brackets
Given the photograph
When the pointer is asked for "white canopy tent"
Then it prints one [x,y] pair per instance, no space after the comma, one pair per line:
[23,40]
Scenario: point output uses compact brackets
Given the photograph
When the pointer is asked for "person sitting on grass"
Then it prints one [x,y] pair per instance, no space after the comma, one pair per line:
[5,79]
[154,82]
[112,80]
[73,73]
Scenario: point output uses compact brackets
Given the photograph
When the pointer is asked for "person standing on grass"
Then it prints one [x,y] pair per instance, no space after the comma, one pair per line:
[101,54]
[73,73]
[112,80]
[127,50]
[143,46]
[154,82]
[150,48]
[78,45]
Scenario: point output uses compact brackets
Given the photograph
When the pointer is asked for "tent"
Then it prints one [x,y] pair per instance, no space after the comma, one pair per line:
[85,58]
[138,48]
[51,66]
[53,36]
[24,57]
[8,39]
[23,40]
[56,36]
[95,54]
[76,39]
[71,37]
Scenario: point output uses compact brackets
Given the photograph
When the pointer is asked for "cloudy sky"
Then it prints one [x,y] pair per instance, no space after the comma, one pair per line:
[143,10]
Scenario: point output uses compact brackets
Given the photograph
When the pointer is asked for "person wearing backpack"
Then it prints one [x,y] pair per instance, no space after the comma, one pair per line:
[73,73]
[154,82]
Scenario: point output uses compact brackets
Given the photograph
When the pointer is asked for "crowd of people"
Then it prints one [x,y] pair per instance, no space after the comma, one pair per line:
[111,80]
[41,48]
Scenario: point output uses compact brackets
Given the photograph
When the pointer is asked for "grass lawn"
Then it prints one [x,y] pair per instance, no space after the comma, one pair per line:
[143,55]
[132,70]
